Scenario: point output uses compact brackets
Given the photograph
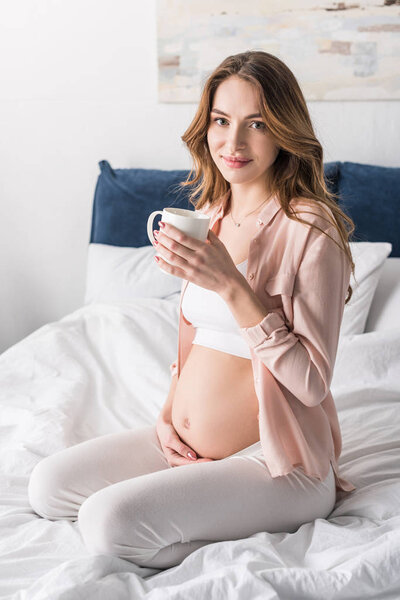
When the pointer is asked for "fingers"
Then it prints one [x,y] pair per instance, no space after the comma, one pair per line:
[181,448]
[175,459]
[186,451]
[173,233]
[176,451]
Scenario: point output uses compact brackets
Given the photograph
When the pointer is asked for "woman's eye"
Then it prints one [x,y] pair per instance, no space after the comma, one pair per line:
[259,123]
[256,122]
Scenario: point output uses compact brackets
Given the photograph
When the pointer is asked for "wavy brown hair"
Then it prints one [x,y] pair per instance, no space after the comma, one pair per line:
[298,171]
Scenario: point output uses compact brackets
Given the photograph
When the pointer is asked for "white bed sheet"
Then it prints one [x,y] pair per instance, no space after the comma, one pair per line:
[97,371]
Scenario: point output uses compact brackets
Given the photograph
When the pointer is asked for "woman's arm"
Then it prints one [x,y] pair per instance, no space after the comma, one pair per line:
[303,359]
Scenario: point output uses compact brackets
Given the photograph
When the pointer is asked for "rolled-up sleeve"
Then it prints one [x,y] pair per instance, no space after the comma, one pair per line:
[302,359]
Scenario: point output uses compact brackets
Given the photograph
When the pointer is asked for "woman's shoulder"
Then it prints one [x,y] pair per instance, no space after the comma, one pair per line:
[320,224]
[313,212]
[212,206]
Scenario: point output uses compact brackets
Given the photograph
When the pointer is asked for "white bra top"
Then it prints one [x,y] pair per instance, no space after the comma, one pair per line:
[210,315]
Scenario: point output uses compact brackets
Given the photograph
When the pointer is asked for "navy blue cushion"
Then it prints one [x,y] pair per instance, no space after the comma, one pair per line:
[370,195]
[124,198]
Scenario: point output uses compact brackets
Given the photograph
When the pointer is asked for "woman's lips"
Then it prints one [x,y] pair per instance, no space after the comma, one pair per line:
[236,164]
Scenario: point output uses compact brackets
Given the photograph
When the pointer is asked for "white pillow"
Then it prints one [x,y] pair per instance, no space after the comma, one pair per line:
[119,274]
[369,258]
[384,314]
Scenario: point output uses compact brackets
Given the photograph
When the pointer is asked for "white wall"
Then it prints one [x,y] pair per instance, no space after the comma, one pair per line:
[78,85]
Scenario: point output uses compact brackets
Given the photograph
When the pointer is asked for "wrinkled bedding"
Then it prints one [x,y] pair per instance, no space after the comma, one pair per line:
[105,368]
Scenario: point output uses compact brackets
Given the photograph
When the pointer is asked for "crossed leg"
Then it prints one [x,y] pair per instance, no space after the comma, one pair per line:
[130,503]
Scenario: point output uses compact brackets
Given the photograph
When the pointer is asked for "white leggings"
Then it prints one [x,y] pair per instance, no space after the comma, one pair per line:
[129,502]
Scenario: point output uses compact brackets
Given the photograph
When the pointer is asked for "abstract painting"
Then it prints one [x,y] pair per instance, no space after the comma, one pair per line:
[336,50]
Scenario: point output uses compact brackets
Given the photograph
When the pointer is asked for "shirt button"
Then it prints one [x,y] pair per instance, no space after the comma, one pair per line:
[259,222]
[251,276]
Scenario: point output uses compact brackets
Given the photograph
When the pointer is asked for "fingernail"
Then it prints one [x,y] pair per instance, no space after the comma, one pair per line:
[190,455]
[161,224]
[156,232]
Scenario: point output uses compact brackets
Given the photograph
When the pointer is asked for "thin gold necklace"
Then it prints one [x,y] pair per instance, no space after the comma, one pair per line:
[239,224]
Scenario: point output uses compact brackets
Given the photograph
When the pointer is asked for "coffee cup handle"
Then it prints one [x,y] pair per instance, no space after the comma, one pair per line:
[150,225]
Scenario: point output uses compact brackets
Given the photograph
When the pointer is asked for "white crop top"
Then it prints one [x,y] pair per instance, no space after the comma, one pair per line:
[210,315]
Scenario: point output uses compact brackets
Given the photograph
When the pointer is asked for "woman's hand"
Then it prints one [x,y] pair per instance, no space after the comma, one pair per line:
[207,264]
[174,449]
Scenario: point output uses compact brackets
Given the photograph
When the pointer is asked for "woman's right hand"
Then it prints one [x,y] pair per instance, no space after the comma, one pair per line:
[175,450]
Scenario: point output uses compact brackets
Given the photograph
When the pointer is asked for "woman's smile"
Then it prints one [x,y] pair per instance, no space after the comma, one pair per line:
[236,164]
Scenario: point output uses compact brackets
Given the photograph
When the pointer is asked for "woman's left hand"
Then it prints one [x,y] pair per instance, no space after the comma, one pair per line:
[207,264]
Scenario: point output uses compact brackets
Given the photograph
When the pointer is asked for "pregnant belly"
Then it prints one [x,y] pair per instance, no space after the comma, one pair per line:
[215,407]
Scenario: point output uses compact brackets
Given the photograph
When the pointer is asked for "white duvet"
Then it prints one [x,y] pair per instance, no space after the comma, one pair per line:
[105,368]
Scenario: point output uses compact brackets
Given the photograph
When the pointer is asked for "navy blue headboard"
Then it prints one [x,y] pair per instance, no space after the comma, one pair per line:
[124,198]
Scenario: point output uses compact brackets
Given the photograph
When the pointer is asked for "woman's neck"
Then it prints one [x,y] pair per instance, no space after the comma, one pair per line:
[239,209]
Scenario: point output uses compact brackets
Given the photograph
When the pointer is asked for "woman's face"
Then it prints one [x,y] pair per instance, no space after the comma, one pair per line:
[234,134]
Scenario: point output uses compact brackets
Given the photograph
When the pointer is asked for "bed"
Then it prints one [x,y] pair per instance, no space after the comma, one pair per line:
[97,371]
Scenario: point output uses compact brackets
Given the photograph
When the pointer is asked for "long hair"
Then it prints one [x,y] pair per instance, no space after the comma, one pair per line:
[298,170]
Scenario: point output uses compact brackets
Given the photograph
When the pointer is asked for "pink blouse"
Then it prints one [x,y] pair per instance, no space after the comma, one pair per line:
[302,277]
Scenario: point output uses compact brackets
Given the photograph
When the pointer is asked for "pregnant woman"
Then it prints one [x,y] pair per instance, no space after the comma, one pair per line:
[248,439]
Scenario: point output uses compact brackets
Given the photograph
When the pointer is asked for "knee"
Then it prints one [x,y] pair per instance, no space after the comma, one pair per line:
[101,524]
[108,528]
[45,490]
[95,525]
[40,488]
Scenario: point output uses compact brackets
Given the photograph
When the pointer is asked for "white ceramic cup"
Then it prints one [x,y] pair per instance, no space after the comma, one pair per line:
[192,223]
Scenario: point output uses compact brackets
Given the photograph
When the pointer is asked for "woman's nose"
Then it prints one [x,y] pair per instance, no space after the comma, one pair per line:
[235,140]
